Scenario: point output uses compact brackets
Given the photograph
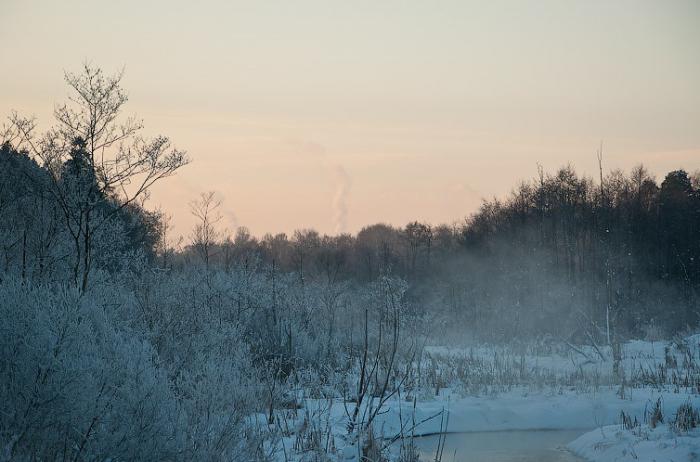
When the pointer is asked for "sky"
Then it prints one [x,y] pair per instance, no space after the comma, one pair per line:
[338,114]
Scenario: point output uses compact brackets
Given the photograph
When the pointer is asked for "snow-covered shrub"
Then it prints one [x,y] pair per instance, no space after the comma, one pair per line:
[655,415]
[197,327]
[74,386]
[80,377]
[315,433]
[627,422]
[687,417]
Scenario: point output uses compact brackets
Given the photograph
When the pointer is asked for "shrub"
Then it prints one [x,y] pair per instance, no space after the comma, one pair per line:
[656,415]
[687,417]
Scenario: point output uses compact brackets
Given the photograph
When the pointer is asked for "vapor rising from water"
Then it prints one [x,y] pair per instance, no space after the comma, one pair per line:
[340,200]
[341,181]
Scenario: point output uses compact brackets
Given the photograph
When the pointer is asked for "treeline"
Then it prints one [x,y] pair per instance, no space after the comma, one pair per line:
[561,250]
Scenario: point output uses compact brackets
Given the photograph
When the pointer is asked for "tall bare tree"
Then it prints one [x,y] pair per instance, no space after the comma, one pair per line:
[205,234]
[113,163]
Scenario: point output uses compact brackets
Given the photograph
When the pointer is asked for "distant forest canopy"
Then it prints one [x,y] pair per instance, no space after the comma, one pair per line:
[559,250]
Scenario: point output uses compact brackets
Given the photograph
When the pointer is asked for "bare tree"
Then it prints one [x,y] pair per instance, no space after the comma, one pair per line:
[418,238]
[114,164]
[165,246]
[205,234]
[381,375]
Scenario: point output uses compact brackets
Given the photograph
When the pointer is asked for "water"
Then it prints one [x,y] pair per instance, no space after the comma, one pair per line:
[503,446]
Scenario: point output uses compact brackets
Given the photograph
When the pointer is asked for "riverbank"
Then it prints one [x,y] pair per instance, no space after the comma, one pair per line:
[499,389]
[516,411]
[613,443]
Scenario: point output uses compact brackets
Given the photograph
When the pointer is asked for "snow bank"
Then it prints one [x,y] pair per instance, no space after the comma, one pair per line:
[552,405]
[615,444]
[523,411]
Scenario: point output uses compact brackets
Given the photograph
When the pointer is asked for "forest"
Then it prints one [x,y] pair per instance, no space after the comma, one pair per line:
[119,341]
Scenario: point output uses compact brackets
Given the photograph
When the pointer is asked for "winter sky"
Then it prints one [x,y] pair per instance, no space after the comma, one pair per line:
[338,114]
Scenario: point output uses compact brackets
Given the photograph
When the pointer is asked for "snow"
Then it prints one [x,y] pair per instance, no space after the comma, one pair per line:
[594,409]
[614,444]
[521,410]
[524,411]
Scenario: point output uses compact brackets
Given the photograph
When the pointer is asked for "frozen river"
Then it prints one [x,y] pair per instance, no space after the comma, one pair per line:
[503,446]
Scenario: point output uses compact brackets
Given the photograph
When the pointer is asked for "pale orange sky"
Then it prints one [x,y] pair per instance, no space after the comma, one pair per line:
[393,111]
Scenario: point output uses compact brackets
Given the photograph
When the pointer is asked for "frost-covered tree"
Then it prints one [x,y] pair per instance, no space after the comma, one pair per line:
[206,235]
[98,161]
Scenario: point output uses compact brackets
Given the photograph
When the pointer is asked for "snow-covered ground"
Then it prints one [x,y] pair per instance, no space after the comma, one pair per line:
[557,402]
[525,411]
[612,443]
